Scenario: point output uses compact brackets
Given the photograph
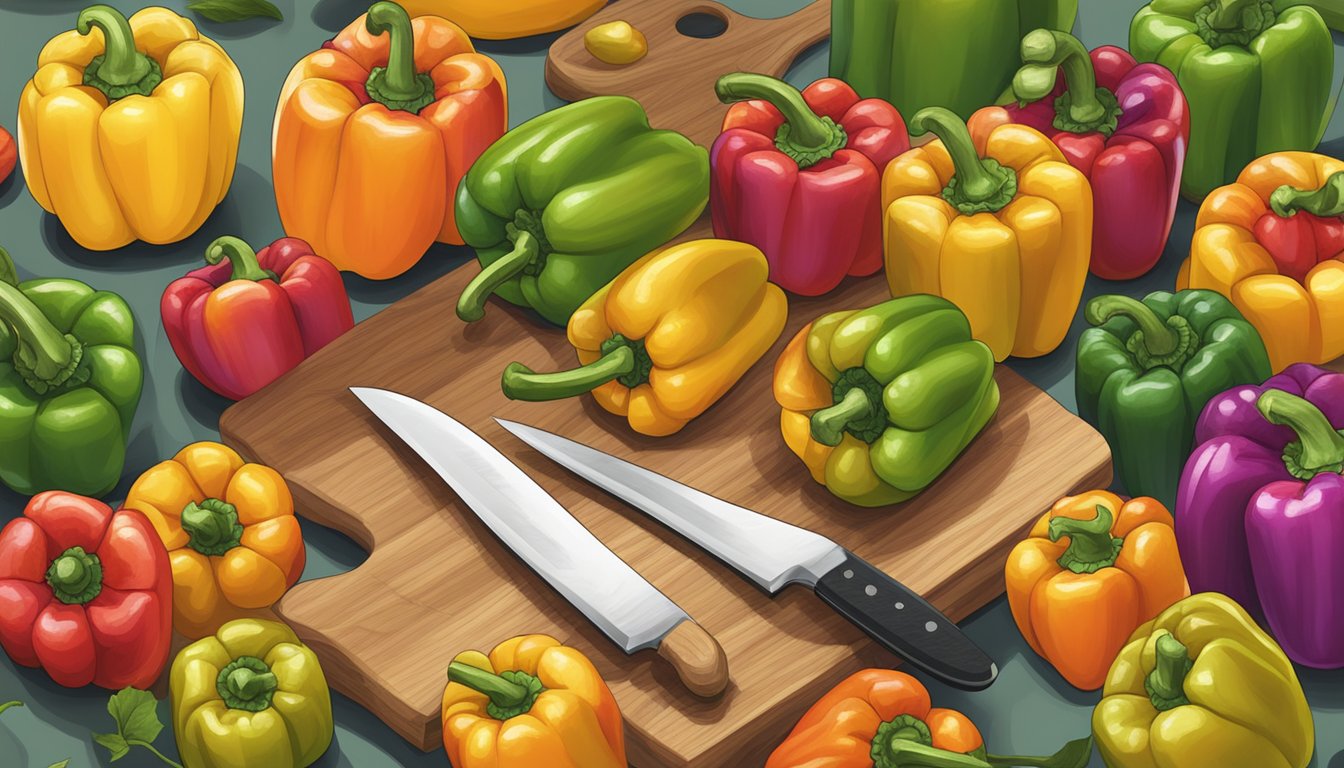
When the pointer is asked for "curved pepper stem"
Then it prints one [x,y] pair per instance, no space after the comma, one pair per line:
[511,693]
[1166,683]
[471,304]
[1091,545]
[76,576]
[1326,201]
[1157,342]
[805,136]
[978,185]
[398,85]
[9,704]
[241,257]
[1319,448]
[1084,106]
[247,683]
[213,526]
[46,358]
[912,754]
[622,360]
[121,70]
[828,424]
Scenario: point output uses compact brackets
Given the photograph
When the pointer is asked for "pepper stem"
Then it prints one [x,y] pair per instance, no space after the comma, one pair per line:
[120,70]
[76,576]
[978,185]
[1166,683]
[1326,201]
[9,704]
[1319,448]
[1227,14]
[828,424]
[241,257]
[1091,545]
[1157,342]
[471,304]
[398,85]
[622,360]
[212,525]
[1083,107]
[511,693]
[46,358]
[805,136]
[247,683]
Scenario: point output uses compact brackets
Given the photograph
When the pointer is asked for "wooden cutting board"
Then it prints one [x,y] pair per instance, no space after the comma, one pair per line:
[437,582]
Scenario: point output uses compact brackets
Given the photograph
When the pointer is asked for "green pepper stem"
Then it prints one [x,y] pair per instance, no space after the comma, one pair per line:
[247,683]
[1226,14]
[241,257]
[1166,683]
[398,85]
[1091,545]
[828,424]
[1326,201]
[978,184]
[511,693]
[901,753]
[122,64]
[9,704]
[471,304]
[44,354]
[1319,447]
[1157,342]
[212,526]
[76,576]
[522,383]
[805,136]
[1053,49]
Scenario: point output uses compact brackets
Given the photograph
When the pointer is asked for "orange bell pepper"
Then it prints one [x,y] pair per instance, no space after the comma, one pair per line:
[1273,243]
[1077,601]
[232,538]
[373,134]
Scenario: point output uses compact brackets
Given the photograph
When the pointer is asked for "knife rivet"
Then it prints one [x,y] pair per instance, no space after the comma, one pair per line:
[900,606]
[870,590]
[848,574]
[929,627]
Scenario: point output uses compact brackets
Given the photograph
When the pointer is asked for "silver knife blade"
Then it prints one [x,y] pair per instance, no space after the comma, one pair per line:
[626,607]
[770,552]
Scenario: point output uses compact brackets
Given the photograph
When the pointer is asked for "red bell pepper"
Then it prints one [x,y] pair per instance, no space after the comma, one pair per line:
[238,325]
[798,175]
[85,593]
[9,155]
[1125,125]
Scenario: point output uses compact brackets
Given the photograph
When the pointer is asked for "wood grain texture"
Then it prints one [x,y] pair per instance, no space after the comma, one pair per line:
[437,582]
[675,81]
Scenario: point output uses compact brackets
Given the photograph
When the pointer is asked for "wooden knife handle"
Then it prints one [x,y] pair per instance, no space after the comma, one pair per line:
[697,657]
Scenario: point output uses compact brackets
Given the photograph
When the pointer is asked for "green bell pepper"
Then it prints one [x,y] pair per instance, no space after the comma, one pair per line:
[563,203]
[932,53]
[1258,75]
[878,402]
[69,384]
[1146,371]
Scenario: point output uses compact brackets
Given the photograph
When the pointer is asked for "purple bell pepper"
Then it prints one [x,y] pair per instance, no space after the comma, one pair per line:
[1260,509]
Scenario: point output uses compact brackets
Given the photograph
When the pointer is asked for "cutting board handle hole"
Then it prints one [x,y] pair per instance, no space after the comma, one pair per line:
[705,25]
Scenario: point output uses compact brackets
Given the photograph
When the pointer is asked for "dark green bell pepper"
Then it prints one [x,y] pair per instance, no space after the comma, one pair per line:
[1146,372]
[69,384]
[1258,75]
[935,53]
[560,205]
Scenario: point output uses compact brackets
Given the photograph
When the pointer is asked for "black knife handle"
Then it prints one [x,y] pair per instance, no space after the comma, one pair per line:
[905,624]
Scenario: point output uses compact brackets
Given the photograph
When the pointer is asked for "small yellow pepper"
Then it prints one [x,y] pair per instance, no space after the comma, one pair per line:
[616,42]
[129,129]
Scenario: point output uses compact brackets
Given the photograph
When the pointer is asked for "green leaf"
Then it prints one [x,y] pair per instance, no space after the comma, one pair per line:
[236,10]
[114,743]
[61,764]
[8,274]
[136,713]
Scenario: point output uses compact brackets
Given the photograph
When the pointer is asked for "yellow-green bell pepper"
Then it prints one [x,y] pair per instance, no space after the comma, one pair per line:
[251,694]
[1201,686]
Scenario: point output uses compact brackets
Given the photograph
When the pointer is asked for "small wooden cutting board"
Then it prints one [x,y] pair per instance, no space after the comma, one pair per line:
[437,582]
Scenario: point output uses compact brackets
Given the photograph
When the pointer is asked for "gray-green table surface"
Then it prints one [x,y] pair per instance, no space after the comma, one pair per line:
[1029,710]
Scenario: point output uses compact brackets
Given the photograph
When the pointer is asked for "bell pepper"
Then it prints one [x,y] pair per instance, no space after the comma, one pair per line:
[798,175]
[1258,504]
[1132,156]
[531,702]
[506,19]
[129,128]
[880,718]
[878,402]
[248,318]
[1257,75]
[667,338]
[564,202]
[1146,370]
[928,53]
[1000,225]
[232,538]
[85,593]
[1273,242]
[1201,686]
[70,383]
[9,154]
[1076,602]
[373,134]
[250,695]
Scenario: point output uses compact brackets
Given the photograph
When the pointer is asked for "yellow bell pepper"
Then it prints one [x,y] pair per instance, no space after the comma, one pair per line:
[1000,225]
[532,702]
[250,695]
[1201,686]
[668,337]
[135,138]
[506,19]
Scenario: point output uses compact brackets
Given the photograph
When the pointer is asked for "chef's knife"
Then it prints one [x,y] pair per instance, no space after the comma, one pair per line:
[773,554]
[626,607]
